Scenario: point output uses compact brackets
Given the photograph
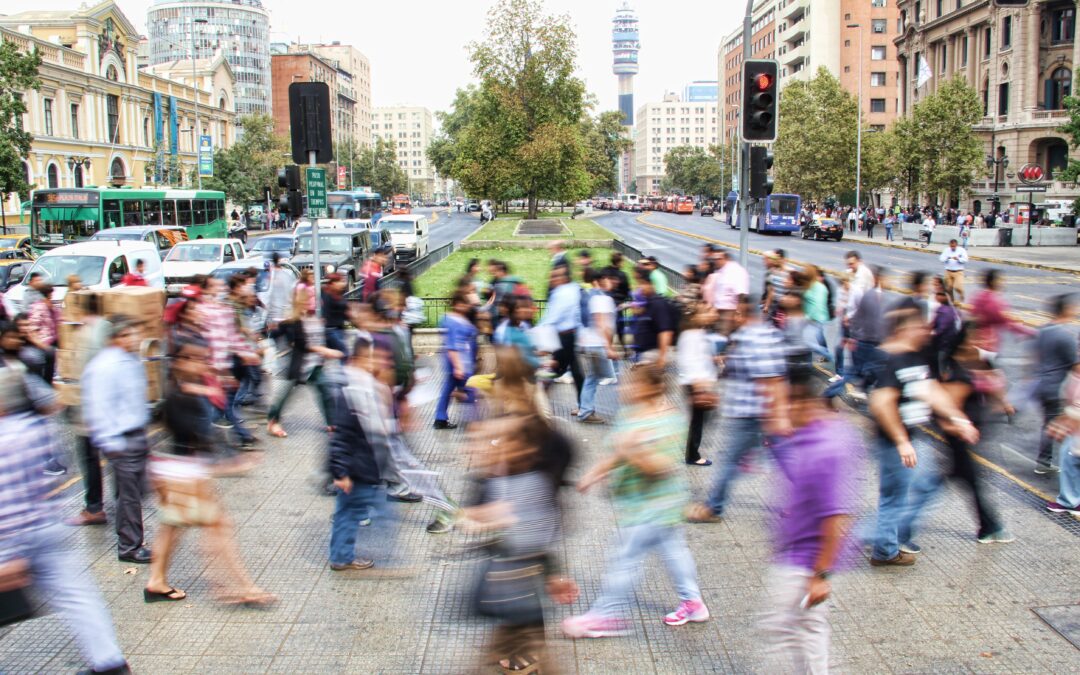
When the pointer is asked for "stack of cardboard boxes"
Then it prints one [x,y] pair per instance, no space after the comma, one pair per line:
[144,305]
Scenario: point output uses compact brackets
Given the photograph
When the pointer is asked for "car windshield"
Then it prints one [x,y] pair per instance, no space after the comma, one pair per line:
[113,236]
[271,244]
[195,253]
[327,244]
[57,268]
[9,242]
[397,226]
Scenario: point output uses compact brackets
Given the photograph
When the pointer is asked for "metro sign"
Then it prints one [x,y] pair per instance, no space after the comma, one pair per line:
[1030,173]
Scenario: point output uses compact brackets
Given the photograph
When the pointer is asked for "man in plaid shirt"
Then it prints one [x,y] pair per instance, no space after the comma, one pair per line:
[755,398]
[32,547]
[223,337]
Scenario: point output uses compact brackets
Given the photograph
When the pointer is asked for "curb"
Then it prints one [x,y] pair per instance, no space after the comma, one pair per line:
[980,258]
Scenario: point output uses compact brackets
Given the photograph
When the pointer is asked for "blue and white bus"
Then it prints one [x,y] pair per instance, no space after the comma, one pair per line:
[775,213]
[362,207]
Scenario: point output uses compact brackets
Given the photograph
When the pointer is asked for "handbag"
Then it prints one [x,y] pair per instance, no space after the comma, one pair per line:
[704,397]
[510,589]
[185,490]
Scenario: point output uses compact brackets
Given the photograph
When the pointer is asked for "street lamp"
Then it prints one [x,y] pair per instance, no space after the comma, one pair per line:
[196,138]
[76,161]
[997,164]
[858,132]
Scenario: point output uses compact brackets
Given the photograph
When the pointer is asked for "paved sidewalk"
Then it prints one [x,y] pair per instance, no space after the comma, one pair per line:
[962,608]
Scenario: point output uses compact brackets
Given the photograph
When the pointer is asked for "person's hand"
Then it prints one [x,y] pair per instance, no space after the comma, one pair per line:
[780,425]
[562,590]
[15,574]
[612,354]
[334,354]
[965,430]
[817,591]
[459,374]
[907,454]
[344,484]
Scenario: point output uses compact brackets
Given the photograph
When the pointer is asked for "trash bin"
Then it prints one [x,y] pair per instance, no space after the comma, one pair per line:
[1005,236]
[1068,220]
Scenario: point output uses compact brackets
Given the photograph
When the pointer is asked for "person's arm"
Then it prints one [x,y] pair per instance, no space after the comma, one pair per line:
[776,393]
[951,418]
[884,407]
[944,257]
[97,397]
[663,343]
[598,472]
[833,531]
[963,257]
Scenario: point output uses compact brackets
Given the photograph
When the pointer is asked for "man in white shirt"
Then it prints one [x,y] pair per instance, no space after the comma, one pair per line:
[955,258]
[928,226]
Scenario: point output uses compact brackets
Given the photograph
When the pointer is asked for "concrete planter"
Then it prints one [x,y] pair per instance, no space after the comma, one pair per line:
[1040,236]
[534,243]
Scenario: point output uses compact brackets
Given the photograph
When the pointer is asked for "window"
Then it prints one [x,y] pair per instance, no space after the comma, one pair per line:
[1057,88]
[940,7]
[1062,24]
[847,43]
[878,25]
[877,127]
[877,3]
[986,43]
[112,107]
[183,212]
[964,52]
[53,176]
[943,55]
[877,53]
[78,176]
[1003,98]
[74,120]
[877,105]
[918,13]
[877,79]
[1006,32]
[48,117]
[146,132]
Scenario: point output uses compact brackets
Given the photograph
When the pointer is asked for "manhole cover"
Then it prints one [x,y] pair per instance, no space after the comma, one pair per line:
[1065,619]
[540,227]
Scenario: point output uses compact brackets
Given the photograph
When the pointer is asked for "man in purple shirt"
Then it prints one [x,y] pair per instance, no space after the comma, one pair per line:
[817,460]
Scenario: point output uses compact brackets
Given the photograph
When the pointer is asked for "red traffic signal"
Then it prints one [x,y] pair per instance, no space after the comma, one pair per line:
[759,100]
[763,81]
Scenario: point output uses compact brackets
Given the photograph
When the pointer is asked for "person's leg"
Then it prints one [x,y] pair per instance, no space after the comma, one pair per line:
[1051,408]
[219,545]
[894,479]
[697,427]
[349,510]
[129,472]
[587,405]
[570,346]
[798,638]
[624,568]
[964,470]
[279,404]
[232,413]
[671,545]
[924,485]
[1069,479]
[325,394]
[164,544]
[442,410]
[745,435]
[92,480]
[60,573]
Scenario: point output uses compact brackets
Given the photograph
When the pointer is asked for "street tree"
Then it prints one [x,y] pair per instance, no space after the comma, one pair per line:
[950,152]
[251,163]
[605,142]
[816,138]
[692,171]
[443,150]
[18,73]
[1071,129]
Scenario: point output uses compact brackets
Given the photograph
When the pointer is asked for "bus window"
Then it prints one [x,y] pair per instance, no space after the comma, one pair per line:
[183,212]
[218,212]
[132,212]
[168,212]
[198,212]
[112,213]
[151,211]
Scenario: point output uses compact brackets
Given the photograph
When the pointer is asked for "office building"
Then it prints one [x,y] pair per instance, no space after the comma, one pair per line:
[240,29]
[353,86]
[411,129]
[301,66]
[98,119]
[701,91]
[1020,61]
[667,125]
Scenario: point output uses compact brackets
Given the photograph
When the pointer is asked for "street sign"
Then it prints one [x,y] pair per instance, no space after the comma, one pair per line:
[316,191]
[206,156]
[1031,188]
[341,178]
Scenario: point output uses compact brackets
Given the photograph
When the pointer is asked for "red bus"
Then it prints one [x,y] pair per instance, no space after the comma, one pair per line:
[400,205]
[684,205]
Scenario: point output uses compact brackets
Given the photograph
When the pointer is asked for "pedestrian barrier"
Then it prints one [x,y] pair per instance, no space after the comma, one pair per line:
[674,278]
[416,268]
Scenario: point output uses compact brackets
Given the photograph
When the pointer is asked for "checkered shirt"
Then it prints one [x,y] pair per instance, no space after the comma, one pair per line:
[218,326]
[756,352]
[27,440]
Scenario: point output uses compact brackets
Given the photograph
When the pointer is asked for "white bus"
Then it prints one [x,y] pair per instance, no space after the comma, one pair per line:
[629,202]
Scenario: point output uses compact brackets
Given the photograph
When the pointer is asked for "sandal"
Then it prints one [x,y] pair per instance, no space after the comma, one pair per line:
[276,431]
[171,595]
[521,665]
[254,600]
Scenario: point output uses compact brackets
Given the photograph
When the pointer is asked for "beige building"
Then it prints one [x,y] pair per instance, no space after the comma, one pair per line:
[411,128]
[353,86]
[97,118]
[1019,60]
[660,127]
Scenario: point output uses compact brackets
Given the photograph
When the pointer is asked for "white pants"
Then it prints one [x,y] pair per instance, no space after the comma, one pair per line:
[798,639]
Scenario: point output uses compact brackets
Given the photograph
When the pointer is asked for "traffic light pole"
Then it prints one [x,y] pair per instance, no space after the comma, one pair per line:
[315,248]
[744,155]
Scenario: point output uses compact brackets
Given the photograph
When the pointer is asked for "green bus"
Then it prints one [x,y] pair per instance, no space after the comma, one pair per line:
[68,215]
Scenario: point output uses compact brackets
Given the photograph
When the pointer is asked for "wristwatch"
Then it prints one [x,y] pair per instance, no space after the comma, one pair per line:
[823,574]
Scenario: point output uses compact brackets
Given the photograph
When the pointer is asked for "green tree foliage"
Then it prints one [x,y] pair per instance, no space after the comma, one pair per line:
[444,148]
[1071,129]
[605,143]
[816,139]
[18,73]
[693,171]
[374,167]
[251,164]
[949,153]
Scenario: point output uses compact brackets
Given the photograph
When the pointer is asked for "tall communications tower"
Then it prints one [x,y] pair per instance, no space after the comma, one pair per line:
[624,48]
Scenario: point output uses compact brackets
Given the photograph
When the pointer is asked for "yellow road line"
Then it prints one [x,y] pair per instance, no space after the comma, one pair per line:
[60,488]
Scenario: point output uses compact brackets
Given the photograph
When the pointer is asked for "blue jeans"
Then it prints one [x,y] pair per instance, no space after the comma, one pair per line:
[450,385]
[902,494]
[55,570]
[232,413]
[746,435]
[364,501]
[814,337]
[597,367]
[888,233]
[625,566]
[248,392]
[1069,478]
[335,339]
[865,362]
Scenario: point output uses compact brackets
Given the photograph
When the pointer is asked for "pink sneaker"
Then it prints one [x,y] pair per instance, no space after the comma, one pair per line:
[589,625]
[687,611]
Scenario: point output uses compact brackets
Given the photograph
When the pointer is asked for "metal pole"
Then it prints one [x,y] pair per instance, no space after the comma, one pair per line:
[315,248]
[858,130]
[197,135]
[744,154]
[1031,214]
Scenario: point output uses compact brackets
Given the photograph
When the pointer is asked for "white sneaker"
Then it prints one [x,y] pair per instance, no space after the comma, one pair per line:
[608,381]
[565,378]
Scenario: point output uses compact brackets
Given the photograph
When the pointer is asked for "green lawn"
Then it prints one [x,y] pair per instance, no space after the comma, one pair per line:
[503,230]
[532,265]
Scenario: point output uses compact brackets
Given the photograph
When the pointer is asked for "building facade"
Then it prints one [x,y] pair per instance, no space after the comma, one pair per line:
[100,120]
[300,66]
[1020,61]
[411,128]
[240,29]
[667,125]
[354,84]
[730,60]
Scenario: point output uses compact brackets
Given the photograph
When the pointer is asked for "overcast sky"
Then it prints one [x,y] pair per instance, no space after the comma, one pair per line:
[418,47]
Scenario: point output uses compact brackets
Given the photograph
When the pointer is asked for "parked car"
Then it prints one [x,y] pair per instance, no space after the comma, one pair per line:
[262,282]
[164,237]
[15,246]
[706,209]
[823,228]
[341,251]
[12,271]
[408,233]
[98,264]
[267,246]
[188,259]
[304,226]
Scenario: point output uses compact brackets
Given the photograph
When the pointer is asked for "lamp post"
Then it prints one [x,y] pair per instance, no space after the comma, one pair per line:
[997,164]
[858,131]
[77,162]
[196,137]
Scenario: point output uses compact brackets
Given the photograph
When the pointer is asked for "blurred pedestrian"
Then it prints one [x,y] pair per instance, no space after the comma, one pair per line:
[563,313]
[136,277]
[655,320]
[990,310]
[696,358]
[650,491]
[1055,351]
[724,286]
[594,341]
[1066,429]
[955,258]
[43,326]
[459,359]
[620,293]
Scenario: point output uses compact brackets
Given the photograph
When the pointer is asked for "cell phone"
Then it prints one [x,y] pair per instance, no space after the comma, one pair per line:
[805,603]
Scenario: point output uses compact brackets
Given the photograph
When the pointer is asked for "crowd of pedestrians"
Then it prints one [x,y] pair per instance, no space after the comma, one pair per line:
[924,365]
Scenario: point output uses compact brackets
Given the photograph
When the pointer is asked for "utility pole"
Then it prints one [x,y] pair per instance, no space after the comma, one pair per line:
[744,163]
[858,131]
[196,136]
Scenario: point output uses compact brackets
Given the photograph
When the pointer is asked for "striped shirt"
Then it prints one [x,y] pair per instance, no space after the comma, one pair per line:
[756,352]
[27,441]
[218,322]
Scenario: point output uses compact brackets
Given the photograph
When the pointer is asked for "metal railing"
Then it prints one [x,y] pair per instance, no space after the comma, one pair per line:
[674,278]
[416,268]
[436,308]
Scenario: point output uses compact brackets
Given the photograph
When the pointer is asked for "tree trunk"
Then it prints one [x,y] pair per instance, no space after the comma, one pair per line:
[533,204]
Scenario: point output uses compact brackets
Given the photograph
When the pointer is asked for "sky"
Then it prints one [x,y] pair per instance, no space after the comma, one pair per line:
[418,50]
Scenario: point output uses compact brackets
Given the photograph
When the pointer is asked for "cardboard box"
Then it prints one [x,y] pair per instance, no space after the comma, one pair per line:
[69,363]
[154,391]
[141,303]
[153,330]
[68,393]
[76,304]
[69,335]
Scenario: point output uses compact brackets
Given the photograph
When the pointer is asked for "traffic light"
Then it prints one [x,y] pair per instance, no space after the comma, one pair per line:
[288,178]
[761,161]
[759,101]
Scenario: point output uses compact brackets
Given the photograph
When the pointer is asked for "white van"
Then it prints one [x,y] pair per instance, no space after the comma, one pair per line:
[99,264]
[409,234]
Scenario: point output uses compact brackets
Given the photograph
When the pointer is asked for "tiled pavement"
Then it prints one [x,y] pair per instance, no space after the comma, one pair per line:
[962,608]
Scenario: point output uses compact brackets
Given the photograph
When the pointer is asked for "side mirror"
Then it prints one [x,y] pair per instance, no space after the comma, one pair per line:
[16,276]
